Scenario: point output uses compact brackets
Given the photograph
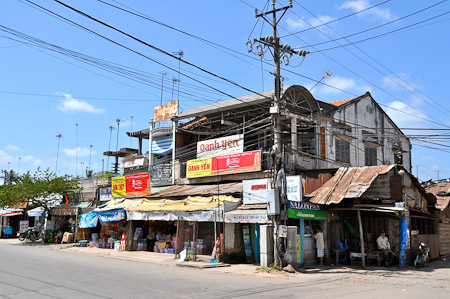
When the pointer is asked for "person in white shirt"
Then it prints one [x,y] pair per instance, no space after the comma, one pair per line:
[320,245]
[385,247]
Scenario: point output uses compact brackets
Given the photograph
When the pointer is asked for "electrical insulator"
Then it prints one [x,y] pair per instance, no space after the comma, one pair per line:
[249,46]
[303,53]
[287,48]
[286,60]
[260,50]
[268,39]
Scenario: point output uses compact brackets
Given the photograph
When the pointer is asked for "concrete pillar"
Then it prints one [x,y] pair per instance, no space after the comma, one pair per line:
[266,243]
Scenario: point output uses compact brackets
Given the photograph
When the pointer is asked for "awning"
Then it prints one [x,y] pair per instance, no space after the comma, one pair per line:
[187,190]
[10,212]
[162,145]
[36,212]
[119,203]
[191,203]
[89,220]
[348,182]
[247,216]
[199,216]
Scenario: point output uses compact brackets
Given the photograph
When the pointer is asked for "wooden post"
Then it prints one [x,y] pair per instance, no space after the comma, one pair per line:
[361,239]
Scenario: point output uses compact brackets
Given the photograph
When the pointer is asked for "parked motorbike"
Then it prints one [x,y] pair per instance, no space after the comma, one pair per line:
[422,255]
[32,234]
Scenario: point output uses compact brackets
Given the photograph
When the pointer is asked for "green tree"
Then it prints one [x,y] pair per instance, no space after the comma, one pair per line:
[42,188]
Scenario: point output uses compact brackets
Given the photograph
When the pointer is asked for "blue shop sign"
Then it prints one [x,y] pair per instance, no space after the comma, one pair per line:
[114,215]
[306,206]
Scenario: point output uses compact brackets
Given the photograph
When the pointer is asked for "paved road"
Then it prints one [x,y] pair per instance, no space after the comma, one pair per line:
[33,272]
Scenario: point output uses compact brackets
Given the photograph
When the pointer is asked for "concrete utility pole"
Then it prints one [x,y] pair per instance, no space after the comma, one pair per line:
[59,136]
[285,52]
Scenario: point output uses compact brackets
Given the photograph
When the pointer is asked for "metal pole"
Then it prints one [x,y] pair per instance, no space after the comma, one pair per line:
[76,151]
[57,153]
[150,145]
[174,148]
[361,240]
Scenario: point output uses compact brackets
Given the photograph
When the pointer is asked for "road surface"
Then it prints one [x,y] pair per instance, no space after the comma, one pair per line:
[38,272]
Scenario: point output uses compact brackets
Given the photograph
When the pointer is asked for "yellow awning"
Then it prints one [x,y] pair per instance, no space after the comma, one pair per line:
[191,203]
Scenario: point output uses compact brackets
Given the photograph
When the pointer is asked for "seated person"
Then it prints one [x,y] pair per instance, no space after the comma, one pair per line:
[385,247]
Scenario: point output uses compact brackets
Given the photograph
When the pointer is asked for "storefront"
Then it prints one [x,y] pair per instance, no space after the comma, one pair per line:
[242,233]
[170,225]
[307,217]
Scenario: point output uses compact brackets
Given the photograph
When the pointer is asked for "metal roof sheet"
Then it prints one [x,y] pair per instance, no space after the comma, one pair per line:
[253,99]
[190,190]
[348,182]
[441,201]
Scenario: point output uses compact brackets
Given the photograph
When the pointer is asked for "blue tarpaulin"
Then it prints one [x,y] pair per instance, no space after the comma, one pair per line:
[88,220]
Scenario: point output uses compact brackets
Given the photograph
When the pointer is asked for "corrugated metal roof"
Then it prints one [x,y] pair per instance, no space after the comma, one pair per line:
[190,190]
[348,182]
[253,99]
[441,201]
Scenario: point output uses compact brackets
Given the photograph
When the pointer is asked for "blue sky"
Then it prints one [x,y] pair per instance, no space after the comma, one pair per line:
[44,93]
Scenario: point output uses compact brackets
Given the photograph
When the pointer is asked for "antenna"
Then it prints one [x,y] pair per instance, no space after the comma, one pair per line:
[59,136]
[180,54]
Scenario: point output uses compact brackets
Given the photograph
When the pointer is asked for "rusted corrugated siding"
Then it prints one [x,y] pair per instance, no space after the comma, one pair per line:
[348,182]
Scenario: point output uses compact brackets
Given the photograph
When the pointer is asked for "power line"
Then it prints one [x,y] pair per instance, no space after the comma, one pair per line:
[336,20]
[373,59]
[380,35]
[372,28]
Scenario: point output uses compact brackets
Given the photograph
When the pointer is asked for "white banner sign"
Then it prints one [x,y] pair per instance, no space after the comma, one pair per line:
[294,188]
[255,191]
[220,146]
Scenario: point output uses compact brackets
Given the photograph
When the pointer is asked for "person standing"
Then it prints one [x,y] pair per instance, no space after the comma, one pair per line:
[385,247]
[320,246]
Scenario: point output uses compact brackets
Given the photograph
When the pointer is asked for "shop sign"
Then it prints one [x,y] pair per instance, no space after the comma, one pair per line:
[220,146]
[199,168]
[88,220]
[294,188]
[237,163]
[166,111]
[23,225]
[255,191]
[118,186]
[137,184]
[229,164]
[308,214]
[239,218]
[115,215]
[65,212]
[305,206]
[106,194]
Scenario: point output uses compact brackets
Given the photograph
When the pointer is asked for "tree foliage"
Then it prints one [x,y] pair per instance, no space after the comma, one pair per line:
[41,188]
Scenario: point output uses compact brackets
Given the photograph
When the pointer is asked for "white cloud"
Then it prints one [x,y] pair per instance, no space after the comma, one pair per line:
[374,13]
[12,148]
[399,81]
[296,24]
[82,152]
[5,157]
[404,115]
[303,23]
[71,104]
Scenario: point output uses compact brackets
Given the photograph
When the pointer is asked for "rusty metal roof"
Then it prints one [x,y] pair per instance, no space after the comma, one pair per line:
[348,182]
[189,190]
[441,201]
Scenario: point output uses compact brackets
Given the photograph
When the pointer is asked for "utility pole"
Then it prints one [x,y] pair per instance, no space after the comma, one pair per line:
[111,128]
[76,151]
[279,52]
[90,151]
